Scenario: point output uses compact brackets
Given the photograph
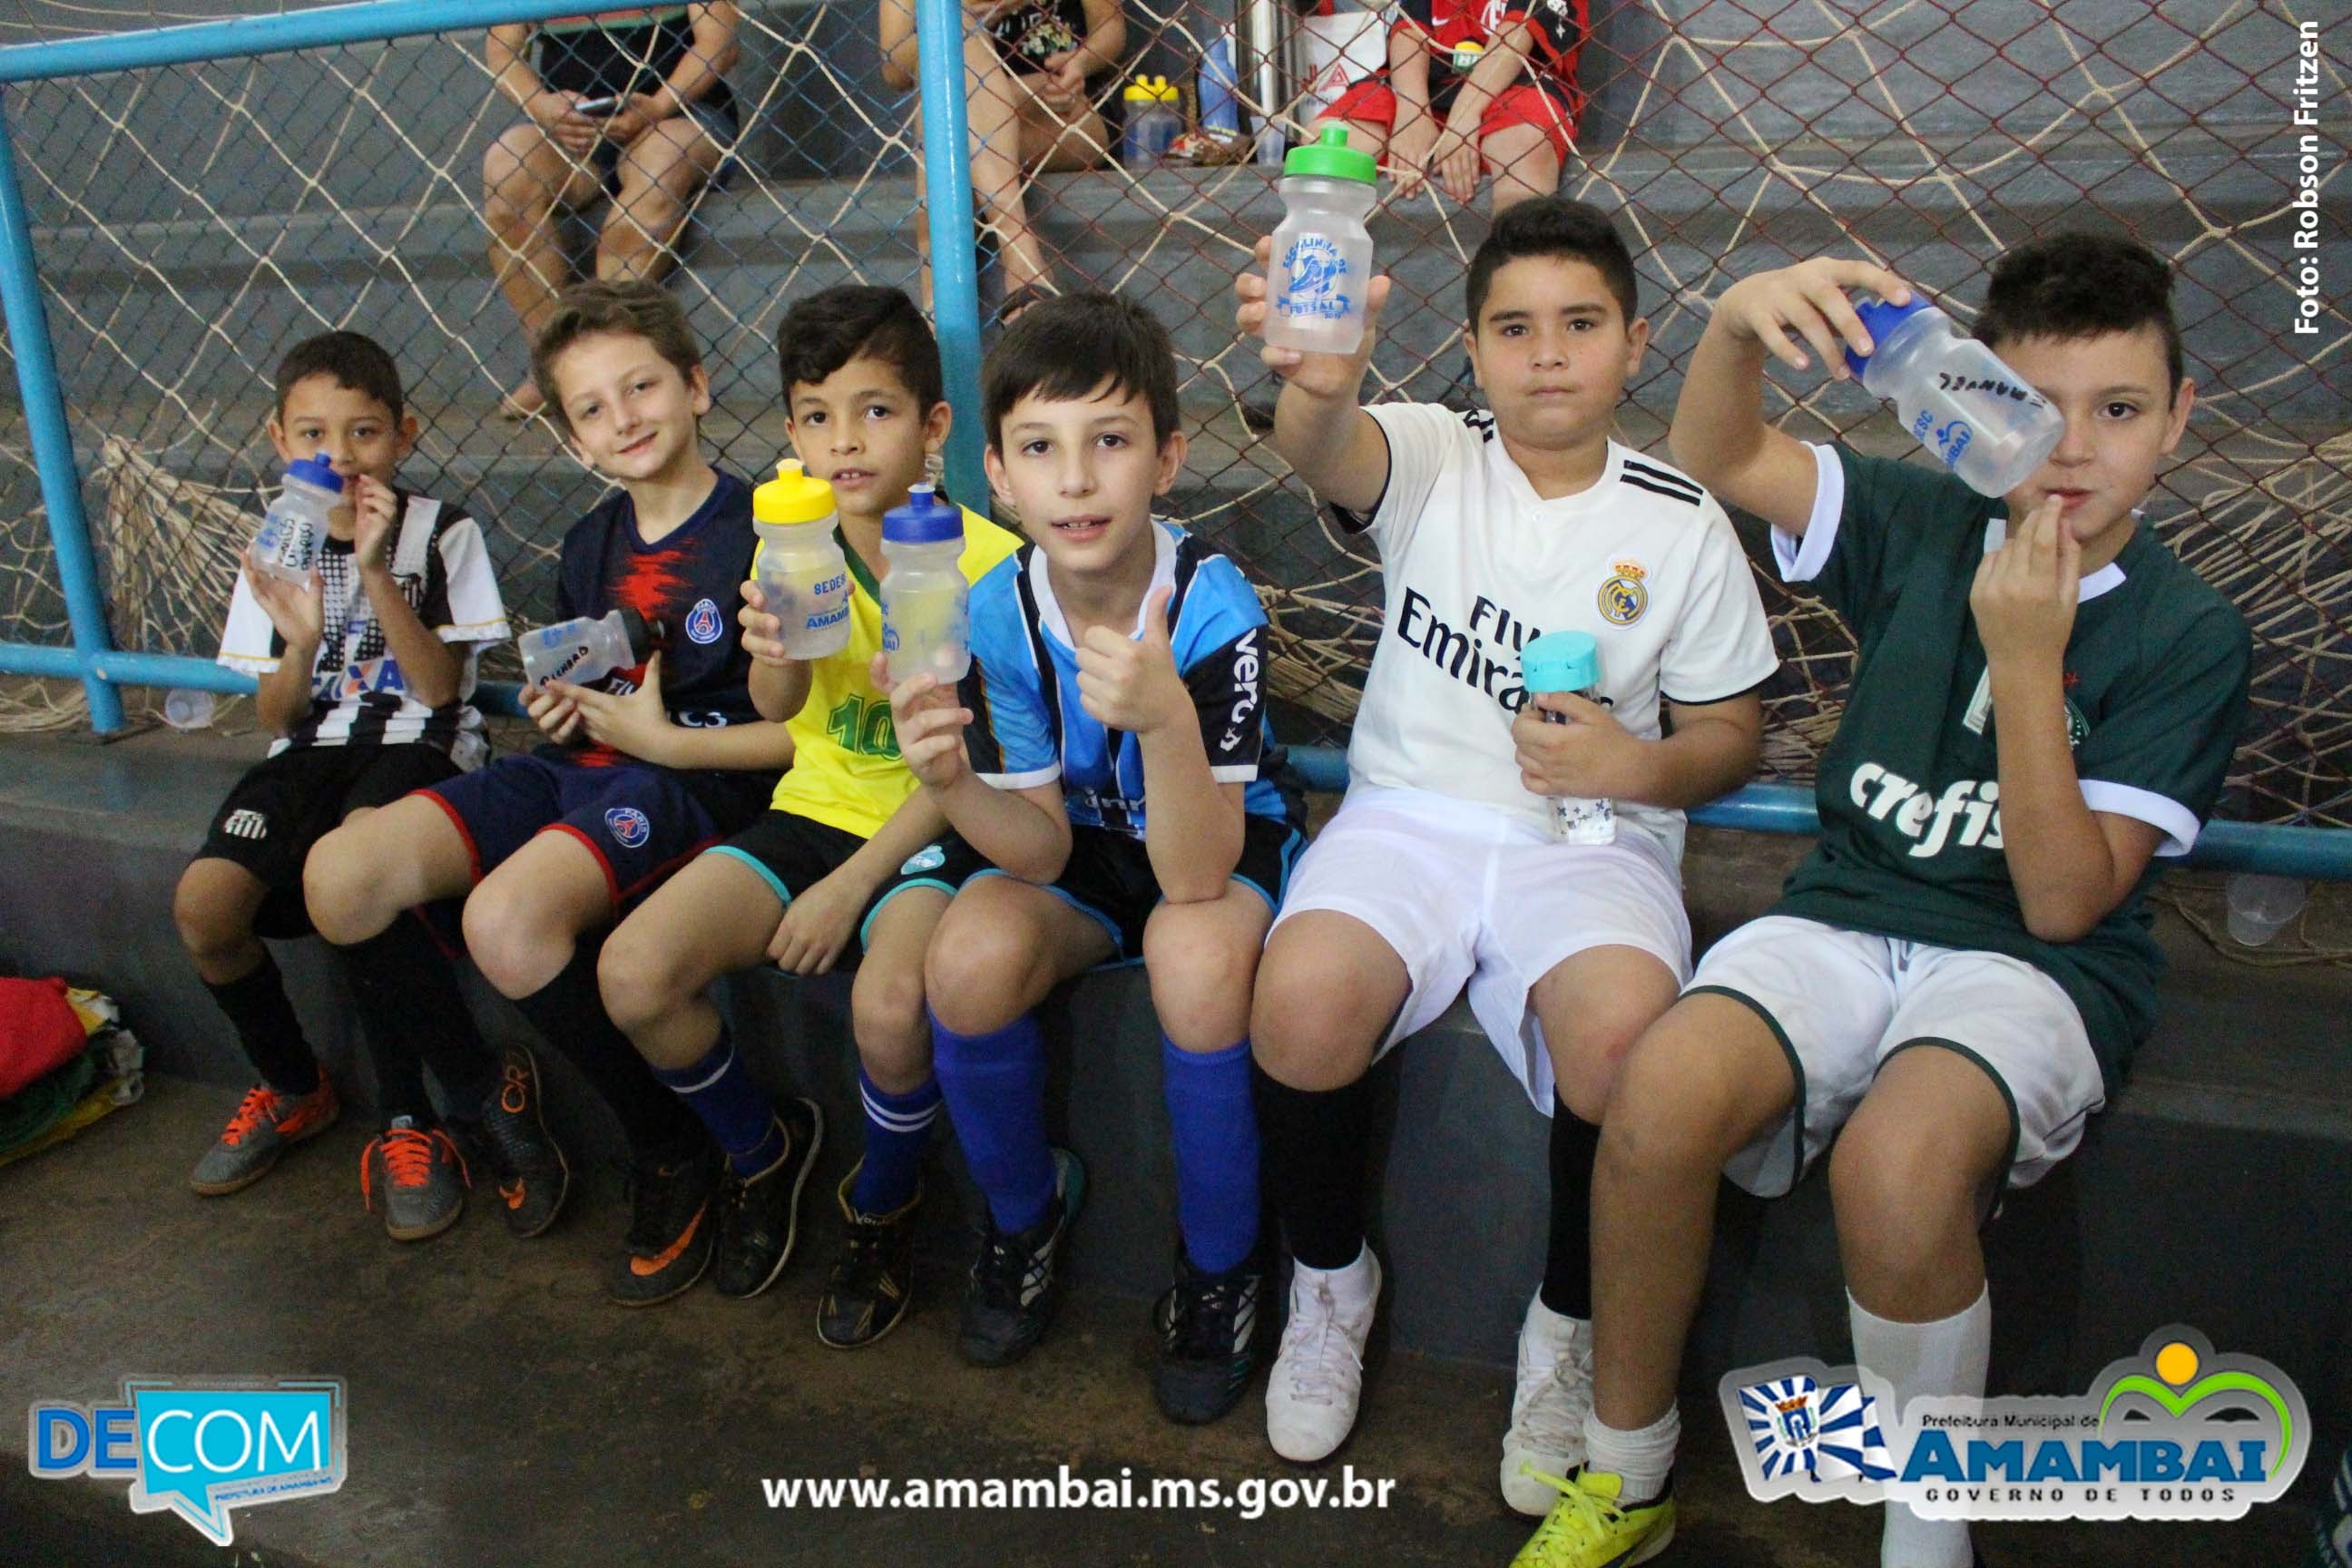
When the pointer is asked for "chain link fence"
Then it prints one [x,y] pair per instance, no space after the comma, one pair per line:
[192,223]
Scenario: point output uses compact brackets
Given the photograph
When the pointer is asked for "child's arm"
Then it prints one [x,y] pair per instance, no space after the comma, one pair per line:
[1025,832]
[1718,434]
[819,922]
[1319,427]
[1713,750]
[2070,865]
[639,725]
[1456,160]
[431,669]
[709,53]
[1193,824]
[896,34]
[1416,131]
[779,683]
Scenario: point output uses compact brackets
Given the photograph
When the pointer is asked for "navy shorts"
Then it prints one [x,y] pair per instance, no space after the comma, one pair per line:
[1109,876]
[640,822]
[793,853]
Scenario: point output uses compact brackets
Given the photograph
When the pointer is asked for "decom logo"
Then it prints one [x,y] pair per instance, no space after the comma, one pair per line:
[201,1447]
[2174,1433]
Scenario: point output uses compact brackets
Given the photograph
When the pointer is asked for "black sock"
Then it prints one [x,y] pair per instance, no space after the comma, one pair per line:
[1568,1268]
[568,1011]
[1311,1160]
[406,989]
[265,1027]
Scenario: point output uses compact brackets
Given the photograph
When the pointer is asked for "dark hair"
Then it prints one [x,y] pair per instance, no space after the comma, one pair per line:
[824,331]
[1068,347]
[355,360]
[634,310]
[2072,285]
[1554,225]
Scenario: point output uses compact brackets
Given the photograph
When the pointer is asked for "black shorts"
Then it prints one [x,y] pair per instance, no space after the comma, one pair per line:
[793,853]
[285,804]
[1109,876]
[718,120]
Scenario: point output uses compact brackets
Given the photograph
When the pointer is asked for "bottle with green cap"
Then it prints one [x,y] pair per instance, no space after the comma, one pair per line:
[1322,252]
[1569,661]
[802,575]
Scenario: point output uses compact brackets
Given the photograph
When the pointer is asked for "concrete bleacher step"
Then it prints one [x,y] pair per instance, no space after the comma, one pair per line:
[2210,1195]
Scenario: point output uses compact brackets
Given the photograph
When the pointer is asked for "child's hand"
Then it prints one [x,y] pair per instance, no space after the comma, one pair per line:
[1130,683]
[373,505]
[1409,150]
[1591,757]
[1456,162]
[1334,377]
[817,924]
[1810,299]
[1062,85]
[636,725]
[929,724]
[557,715]
[558,114]
[297,611]
[761,631]
[633,118]
[2025,593]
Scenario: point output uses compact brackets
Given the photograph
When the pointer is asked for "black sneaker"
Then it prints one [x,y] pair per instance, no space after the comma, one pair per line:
[1015,1287]
[1208,1340]
[760,1217]
[872,1283]
[670,1225]
[532,1176]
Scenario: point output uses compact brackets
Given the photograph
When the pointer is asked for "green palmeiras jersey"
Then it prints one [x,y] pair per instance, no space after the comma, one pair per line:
[2156,672]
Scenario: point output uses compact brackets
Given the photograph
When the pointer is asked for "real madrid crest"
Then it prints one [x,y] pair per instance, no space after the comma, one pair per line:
[1624,597]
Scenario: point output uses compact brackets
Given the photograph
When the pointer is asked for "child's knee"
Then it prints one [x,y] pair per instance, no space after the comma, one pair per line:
[640,977]
[339,891]
[505,938]
[887,1018]
[1658,1116]
[1305,1031]
[208,921]
[1201,976]
[1901,1190]
[972,975]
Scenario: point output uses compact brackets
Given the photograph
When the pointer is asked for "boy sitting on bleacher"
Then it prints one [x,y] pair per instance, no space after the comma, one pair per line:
[1441,869]
[2044,704]
[366,674]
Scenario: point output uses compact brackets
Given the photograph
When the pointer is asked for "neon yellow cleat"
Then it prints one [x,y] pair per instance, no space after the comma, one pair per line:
[1586,1528]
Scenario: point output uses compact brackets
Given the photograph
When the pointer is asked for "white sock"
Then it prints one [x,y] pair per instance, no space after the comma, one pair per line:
[1945,1357]
[1644,1457]
[1351,1287]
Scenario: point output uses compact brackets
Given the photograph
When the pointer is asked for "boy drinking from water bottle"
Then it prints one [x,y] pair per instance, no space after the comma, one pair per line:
[2044,707]
[639,771]
[1109,752]
[849,866]
[1442,867]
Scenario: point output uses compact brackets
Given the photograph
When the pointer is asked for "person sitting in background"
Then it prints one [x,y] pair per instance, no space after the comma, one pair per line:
[1027,67]
[628,104]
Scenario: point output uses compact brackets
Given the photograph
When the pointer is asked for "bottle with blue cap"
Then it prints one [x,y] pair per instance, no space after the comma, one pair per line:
[1569,661]
[803,577]
[926,603]
[295,523]
[1957,399]
[1322,253]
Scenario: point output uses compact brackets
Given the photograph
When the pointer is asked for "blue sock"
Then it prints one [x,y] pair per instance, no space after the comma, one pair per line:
[994,1085]
[898,1128]
[1214,1128]
[720,1089]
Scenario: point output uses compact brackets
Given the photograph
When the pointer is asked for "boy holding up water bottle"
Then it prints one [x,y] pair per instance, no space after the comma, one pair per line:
[2044,707]
[849,863]
[1110,752]
[641,768]
[363,633]
[1465,852]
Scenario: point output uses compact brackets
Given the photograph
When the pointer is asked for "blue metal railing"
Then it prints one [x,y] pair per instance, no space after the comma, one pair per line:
[101,668]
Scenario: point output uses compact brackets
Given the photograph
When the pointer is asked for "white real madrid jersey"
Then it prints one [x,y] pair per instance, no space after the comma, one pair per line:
[1476,565]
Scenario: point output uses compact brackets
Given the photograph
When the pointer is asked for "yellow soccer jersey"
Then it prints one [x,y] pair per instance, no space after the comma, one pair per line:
[845,769]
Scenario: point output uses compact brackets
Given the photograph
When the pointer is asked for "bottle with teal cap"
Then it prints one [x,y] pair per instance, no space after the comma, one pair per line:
[1569,661]
[1322,252]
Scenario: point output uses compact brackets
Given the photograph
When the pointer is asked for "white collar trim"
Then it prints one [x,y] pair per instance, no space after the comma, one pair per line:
[2111,575]
[1049,608]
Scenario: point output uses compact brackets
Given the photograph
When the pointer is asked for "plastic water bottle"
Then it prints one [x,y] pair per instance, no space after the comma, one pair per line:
[1975,414]
[296,522]
[926,603]
[1569,661]
[1322,253]
[1220,113]
[1153,121]
[801,572]
[2261,906]
[187,708]
[583,649]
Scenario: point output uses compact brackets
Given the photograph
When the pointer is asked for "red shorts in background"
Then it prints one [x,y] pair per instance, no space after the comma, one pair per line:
[1372,101]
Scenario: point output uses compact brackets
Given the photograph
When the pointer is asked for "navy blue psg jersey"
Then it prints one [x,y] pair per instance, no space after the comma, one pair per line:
[1029,727]
[686,586]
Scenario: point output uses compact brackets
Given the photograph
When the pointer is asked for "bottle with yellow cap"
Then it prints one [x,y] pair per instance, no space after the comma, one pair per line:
[1154,121]
[800,568]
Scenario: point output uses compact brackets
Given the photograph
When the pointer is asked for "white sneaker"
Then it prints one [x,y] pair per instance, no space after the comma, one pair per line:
[1318,1374]
[1548,1412]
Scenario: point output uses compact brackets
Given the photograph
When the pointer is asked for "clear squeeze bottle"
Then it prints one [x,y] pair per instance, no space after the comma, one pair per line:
[1322,252]
[926,603]
[801,570]
[1569,661]
[1975,414]
[296,522]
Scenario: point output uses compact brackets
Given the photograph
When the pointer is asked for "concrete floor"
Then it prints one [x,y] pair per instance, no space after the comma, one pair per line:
[501,1412]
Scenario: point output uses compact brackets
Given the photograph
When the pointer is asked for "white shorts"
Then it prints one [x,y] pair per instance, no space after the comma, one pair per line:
[1469,895]
[1842,1002]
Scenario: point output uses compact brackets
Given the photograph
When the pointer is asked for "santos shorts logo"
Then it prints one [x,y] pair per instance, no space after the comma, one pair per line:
[629,826]
[704,624]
